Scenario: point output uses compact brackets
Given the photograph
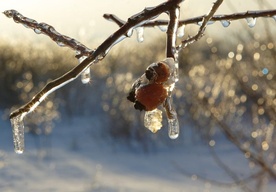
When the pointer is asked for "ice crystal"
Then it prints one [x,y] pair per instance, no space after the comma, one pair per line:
[153,120]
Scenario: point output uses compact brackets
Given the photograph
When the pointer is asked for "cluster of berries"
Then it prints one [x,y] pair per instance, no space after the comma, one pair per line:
[151,89]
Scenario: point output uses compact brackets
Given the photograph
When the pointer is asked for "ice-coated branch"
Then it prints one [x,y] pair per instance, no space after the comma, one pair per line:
[98,54]
[48,30]
[196,20]
[202,28]
[171,52]
[171,32]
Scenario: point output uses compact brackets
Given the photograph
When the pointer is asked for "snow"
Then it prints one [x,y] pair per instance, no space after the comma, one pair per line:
[77,156]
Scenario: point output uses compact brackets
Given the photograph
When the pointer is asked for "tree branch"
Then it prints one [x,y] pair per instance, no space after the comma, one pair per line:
[196,20]
[93,57]
[48,30]
[202,28]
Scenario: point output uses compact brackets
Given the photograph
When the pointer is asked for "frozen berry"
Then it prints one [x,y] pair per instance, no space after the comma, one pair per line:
[158,73]
[150,96]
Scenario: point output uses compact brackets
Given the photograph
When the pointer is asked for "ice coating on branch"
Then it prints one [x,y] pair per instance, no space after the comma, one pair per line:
[18,133]
[208,23]
[225,23]
[174,77]
[181,31]
[44,28]
[85,76]
[153,120]
[140,34]
[251,22]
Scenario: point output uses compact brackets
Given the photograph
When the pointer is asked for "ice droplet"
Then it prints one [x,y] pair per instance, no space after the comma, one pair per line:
[18,133]
[61,44]
[140,34]
[85,76]
[153,120]
[129,32]
[37,31]
[163,28]
[225,23]
[251,22]
[274,17]
[181,31]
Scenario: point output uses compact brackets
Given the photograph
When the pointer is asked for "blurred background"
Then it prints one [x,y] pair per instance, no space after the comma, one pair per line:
[90,138]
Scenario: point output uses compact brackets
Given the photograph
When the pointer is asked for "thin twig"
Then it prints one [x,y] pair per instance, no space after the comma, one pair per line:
[196,20]
[48,30]
[171,32]
[202,28]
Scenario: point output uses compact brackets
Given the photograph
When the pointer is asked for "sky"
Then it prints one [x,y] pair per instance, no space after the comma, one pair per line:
[83,19]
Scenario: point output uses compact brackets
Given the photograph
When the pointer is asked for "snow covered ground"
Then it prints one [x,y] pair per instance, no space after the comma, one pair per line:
[77,158]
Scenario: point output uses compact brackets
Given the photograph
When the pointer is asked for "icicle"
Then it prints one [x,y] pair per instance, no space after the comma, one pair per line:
[173,128]
[274,17]
[85,76]
[153,120]
[251,22]
[181,31]
[173,123]
[140,34]
[163,28]
[18,133]
[225,23]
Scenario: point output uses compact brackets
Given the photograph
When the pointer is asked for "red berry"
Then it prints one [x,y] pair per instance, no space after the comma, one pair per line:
[151,96]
